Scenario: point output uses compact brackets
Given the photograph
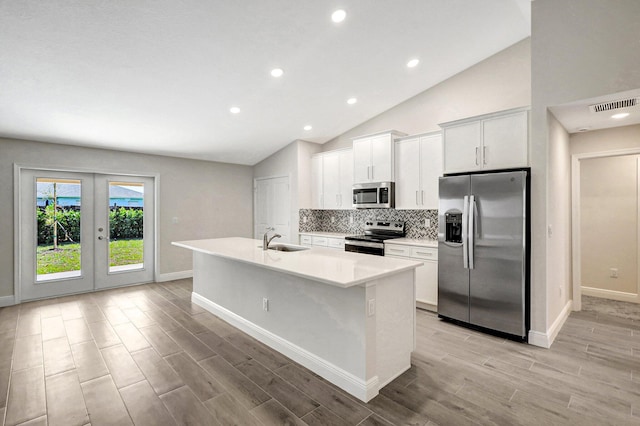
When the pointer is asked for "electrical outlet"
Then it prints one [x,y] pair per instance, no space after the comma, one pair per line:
[333,219]
[427,223]
[265,304]
[351,220]
[613,272]
[372,307]
[304,219]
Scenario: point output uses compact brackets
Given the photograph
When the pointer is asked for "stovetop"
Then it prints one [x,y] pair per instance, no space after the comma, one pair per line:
[379,231]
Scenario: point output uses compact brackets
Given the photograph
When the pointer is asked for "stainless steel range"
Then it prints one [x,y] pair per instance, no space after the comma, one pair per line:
[375,233]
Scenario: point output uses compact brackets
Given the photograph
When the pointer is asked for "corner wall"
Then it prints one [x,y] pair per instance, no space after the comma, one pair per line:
[208,199]
[576,53]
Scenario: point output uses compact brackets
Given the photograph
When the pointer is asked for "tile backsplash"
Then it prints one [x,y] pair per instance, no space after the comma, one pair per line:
[352,221]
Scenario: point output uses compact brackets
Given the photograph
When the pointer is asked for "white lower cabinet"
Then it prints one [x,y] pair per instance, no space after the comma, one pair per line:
[426,275]
[313,240]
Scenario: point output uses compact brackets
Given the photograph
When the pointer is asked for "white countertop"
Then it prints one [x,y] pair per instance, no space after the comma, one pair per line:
[327,234]
[339,268]
[416,242]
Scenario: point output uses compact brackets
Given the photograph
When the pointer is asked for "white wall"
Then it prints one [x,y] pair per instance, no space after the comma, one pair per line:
[500,82]
[609,222]
[293,160]
[579,49]
[209,199]
[559,266]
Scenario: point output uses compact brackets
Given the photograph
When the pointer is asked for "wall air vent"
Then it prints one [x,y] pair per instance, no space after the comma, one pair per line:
[610,106]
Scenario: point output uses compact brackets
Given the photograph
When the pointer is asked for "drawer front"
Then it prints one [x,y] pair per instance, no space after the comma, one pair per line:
[425,253]
[319,241]
[397,250]
[305,240]
[336,243]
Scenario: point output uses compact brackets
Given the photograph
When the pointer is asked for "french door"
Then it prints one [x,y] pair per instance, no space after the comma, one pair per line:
[81,232]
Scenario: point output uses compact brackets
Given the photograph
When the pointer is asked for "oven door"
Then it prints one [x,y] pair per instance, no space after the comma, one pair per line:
[376,249]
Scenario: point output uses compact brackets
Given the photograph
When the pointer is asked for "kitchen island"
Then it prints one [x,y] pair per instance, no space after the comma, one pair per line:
[348,317]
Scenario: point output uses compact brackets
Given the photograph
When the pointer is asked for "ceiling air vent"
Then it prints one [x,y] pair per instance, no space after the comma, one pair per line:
[610,106]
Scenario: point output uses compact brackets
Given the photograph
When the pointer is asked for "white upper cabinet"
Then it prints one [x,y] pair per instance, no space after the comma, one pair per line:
[487,142]
[418,165]
[332,177]
[373,157]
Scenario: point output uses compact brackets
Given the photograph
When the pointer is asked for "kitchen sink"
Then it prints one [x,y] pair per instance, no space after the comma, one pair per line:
[286,247]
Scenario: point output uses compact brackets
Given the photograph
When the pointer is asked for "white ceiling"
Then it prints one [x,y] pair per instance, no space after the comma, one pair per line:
[159,76]
[577,117]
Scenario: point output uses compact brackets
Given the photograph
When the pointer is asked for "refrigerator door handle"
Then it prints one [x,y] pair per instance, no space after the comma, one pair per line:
[465,216]
[471,229]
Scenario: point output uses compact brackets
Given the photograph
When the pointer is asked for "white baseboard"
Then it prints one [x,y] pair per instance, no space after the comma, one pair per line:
[170,276]
[364,390]
[544,340]
[7,301]
[611,294]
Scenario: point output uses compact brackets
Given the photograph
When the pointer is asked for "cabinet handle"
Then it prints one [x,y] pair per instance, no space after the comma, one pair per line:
[422,192]
[484,155]
[417,198]
[372,172]
[424,254]
[477,164]
[337,200]
[398,250]
[368,176]
[321,201]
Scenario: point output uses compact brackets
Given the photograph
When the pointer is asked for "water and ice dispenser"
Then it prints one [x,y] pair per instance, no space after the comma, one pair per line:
[453,227]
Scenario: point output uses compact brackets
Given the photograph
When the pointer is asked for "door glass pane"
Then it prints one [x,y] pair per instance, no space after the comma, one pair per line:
[58,222]
[126,230]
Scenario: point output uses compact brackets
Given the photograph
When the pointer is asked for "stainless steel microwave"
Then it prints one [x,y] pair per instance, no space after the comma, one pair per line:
[379,195]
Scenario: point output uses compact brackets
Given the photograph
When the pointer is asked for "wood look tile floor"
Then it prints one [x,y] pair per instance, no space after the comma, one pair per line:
[145,355]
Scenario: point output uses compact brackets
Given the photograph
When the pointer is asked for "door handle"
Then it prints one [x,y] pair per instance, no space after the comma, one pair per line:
[101,237]
[472,210]
[465,224]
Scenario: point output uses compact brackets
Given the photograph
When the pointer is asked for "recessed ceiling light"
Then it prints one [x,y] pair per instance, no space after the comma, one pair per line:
[307,127]
[277,72]
[352,101]
[338,16]
[234,110]
[620,115]
[412,63]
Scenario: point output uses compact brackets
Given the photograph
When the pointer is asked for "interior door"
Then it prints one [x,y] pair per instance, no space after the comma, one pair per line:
[124,222]
[70,240]
[272,208]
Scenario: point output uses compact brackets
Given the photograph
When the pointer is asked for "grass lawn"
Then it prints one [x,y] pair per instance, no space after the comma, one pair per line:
[67,257]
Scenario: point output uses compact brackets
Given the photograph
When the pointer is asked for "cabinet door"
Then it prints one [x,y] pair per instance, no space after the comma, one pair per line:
[427,283]
[346,179]
[361,160]
[462,145]
[331,180]
[382,159]
[505,141]
[407,157]
[430,170]
[316,182]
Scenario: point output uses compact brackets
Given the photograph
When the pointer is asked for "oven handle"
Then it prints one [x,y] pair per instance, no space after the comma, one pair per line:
[364,244]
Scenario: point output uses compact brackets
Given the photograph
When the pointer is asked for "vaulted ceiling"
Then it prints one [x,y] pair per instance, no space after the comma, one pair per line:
[161,76]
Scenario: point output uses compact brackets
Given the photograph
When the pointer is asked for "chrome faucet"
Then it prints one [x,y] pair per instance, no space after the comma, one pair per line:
[266,241]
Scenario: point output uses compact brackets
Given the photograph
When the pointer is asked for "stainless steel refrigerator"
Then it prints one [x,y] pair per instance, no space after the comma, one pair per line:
[483,251]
